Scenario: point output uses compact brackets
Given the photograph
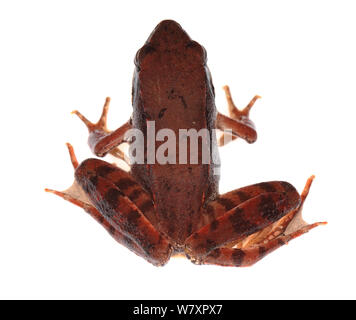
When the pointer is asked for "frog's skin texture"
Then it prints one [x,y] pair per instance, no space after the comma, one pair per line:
[160,210]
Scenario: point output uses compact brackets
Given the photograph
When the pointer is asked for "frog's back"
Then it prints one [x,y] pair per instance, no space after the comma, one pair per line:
[172,88]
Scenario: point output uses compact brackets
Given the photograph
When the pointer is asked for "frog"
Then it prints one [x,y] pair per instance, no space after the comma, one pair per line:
[164,210]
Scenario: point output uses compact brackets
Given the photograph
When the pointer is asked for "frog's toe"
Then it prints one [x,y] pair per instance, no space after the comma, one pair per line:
[234,112]
[101,124]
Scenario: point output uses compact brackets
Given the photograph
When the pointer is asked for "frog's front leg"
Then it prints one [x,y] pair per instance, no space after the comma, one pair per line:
[121,206]
[238,124]
[101,140]
[248,220]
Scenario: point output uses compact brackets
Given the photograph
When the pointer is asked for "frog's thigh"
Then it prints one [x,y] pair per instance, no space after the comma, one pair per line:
[255,213]
[231,199]
[122,201]
[124,181]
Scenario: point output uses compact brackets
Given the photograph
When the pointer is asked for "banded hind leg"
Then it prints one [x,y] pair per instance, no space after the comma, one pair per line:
[119,204]
[247,256]
[249,219]
[96,215]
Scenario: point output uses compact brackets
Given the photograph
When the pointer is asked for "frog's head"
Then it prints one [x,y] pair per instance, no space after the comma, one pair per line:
[169,39]
[168,34]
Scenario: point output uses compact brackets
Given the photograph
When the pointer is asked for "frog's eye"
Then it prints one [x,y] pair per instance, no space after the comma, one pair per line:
[142,53]
[198,50]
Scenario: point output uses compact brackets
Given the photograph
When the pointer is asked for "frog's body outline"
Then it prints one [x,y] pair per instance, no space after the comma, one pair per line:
[161,210]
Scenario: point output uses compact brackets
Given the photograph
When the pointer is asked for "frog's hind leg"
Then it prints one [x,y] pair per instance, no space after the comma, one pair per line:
[245,257]
[94,213]
[291,222]
[113,208]
[247,250]
[109,189]
[227,201]
[238,124]
[253,216]
[101,140]
[258,245]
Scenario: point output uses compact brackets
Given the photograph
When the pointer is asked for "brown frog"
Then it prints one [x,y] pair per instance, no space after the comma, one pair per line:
[162,209]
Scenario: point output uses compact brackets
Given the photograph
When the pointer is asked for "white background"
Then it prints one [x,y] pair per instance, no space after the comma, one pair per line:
[57,56]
